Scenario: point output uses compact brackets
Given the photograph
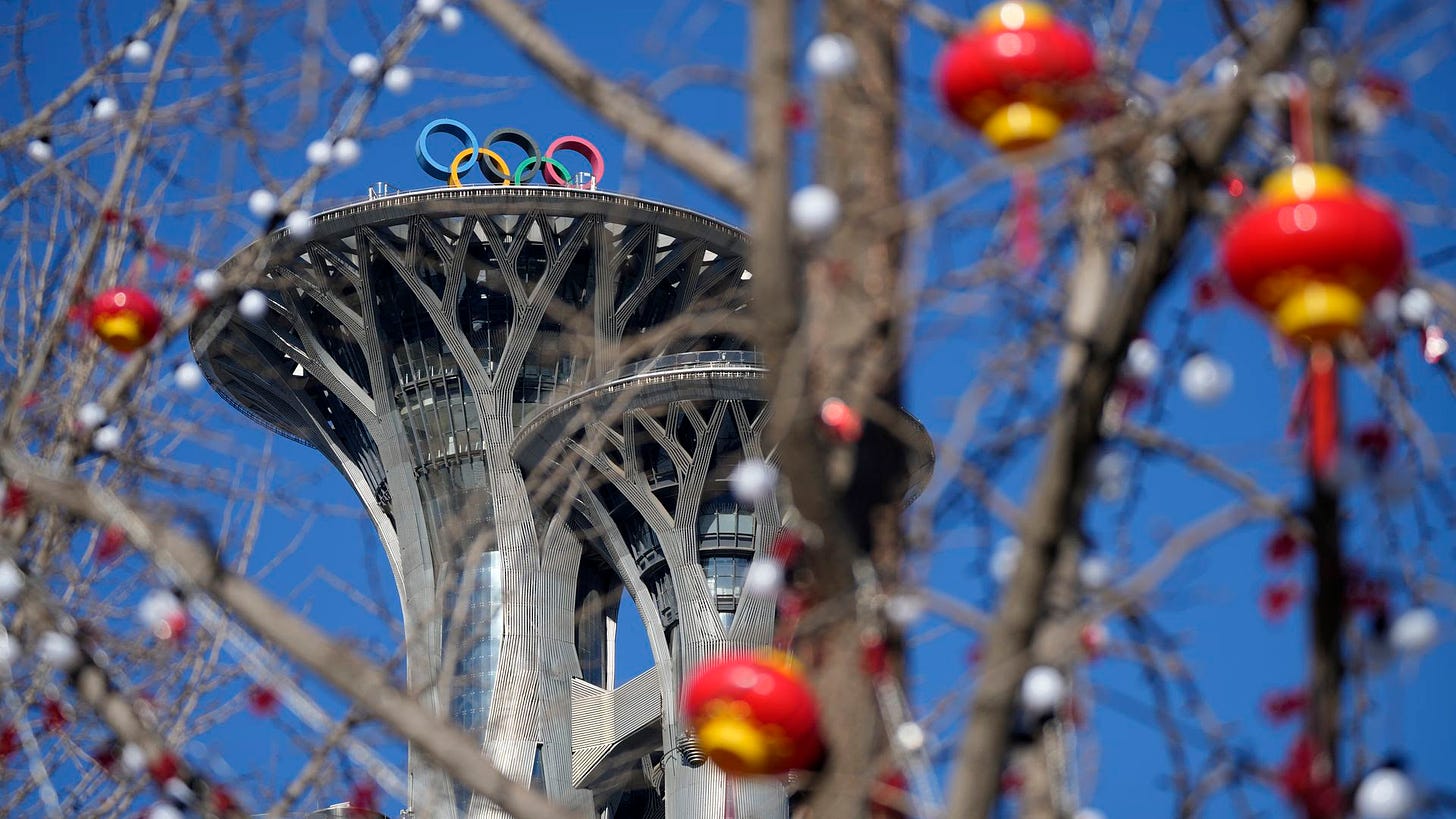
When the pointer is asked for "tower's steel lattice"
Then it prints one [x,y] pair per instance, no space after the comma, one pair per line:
[496,372]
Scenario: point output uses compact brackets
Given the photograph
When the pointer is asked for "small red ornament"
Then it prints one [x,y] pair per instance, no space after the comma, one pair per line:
[890,790]
[1280,706]
[787,546]
[1277,599]
[1093,638]
[124,318]
[840,419]
[163,768]
[1207,291]
[364,796]
[9,741]
[874,655]
[1309,782]
[15,500]
[753,714]
[53,715]
[1016,76]
[1384,90]
[262,700]
[796,114]
[222,801]
[1373,440]
[110,543]
[1365,593]
[106,756]
[1012,781]
[1281,549]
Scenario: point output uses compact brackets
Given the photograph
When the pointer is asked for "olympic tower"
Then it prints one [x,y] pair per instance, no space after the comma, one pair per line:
[537,393]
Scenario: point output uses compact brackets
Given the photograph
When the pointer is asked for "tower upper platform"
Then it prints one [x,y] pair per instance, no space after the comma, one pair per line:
[421,299]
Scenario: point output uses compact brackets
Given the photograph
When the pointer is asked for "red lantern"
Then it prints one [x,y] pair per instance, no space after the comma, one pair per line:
[753,714]
[124,318]
[1015,76]
[1313,252]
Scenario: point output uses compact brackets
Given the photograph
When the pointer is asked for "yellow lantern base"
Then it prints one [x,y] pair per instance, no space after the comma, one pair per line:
[1021,125]
[1319,312]
[122,332]
[734,745]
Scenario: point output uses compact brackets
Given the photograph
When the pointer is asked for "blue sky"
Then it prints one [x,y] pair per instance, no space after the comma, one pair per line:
[1208,607]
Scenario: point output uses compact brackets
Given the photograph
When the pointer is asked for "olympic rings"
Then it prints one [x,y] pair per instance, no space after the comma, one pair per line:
[494,166]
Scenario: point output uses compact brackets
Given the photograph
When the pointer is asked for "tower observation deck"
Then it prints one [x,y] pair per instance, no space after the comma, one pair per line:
[537,394]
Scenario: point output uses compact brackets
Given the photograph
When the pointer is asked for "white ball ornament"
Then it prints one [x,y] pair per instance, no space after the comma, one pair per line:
[753,481]
[910,736]
[106,439]
[164,810]
[91,415]
[162,613]
[831,56]
[451,19]
[40,150]
[364,66]
[346,152]
[138,52]
[1205,379]
[1144,359]
[12,580]
[1094,572]
[764,578]
[59,651]
[318,152]
[814,210]
[1111,474]
[1385,793]
[1225,71]
[253,305]
[904,609]
[429,8]
[1417,308]
[262,203]
[1004,558]
[1161,175]
[133,758]
[1414,632]
[179,791]
[105,109]
[208,282]
[188,376]
[1043,690]
[399,78]
[299,224]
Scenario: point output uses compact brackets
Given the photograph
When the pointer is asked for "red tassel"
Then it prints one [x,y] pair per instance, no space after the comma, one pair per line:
[1026,241]
[1324,411]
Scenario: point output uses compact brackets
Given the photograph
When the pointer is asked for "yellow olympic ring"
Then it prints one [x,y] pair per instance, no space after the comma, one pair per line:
[495,158]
